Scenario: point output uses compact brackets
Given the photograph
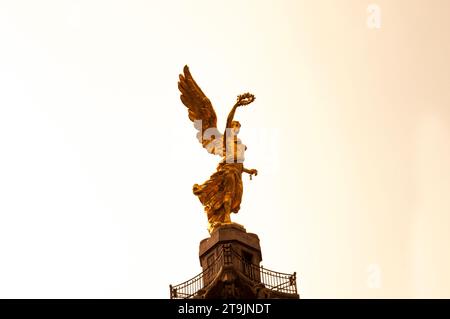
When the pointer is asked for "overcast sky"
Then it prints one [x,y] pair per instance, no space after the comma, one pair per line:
[349,132]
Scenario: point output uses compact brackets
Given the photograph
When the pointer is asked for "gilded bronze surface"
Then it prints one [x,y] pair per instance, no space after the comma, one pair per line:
[221,194]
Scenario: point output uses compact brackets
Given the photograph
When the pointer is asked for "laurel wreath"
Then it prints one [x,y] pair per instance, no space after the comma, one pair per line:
[245,99]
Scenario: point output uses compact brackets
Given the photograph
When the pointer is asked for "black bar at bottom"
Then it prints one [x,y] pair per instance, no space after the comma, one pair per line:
[265,308]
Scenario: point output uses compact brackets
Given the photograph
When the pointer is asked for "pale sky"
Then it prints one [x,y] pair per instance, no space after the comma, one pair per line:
[349,132]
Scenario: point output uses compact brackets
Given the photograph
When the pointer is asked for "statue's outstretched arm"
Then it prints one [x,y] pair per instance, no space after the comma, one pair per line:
[250,171]
[243,99]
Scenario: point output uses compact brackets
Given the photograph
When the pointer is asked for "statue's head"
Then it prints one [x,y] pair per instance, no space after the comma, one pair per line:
[235,126]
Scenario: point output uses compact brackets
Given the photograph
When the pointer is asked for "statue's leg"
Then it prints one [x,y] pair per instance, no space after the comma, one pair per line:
[227,219]
[215,218]
[227,208]
[212,216]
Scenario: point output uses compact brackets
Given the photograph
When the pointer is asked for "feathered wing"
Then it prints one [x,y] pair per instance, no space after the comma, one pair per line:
[201,112]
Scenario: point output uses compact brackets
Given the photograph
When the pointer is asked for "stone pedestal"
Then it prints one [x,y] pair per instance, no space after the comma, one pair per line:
[243,244]
[230,259]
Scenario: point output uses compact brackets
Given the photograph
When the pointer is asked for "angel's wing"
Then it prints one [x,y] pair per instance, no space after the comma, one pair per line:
[201,112]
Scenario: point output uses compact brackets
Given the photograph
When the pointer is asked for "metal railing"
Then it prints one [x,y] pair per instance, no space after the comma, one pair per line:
[187,289]
[273,280]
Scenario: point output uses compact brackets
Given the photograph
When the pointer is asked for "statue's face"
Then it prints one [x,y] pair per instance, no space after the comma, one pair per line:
[235,126]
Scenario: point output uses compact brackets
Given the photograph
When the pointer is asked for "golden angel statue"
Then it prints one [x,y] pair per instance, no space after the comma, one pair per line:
[221,194]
